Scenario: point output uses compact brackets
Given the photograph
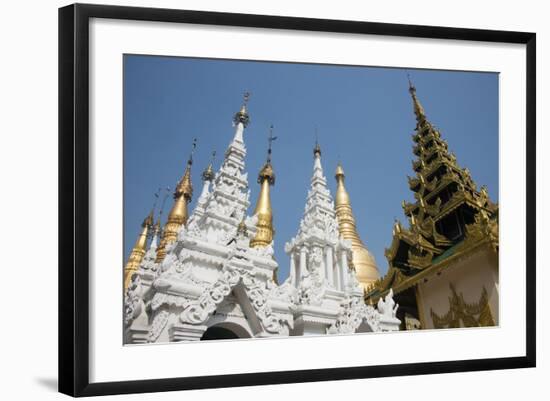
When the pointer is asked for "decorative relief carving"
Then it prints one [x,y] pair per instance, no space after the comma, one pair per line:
[133,302]
[312,288]
[210,259]
[353,312]
[158,324]
[464,314]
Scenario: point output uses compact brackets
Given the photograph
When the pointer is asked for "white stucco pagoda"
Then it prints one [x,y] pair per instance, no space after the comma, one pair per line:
[216,280]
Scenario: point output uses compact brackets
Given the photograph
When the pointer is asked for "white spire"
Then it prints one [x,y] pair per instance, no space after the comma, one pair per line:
[225,195]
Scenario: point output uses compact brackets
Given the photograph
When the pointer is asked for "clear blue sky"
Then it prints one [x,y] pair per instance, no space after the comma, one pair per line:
[364,117]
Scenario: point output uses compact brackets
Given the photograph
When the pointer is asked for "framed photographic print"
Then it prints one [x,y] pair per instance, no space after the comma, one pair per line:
[251,199]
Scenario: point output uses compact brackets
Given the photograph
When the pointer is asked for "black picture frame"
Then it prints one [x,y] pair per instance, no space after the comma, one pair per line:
[74,198]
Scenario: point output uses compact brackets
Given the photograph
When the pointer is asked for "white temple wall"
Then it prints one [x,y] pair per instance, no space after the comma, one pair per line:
[469,276]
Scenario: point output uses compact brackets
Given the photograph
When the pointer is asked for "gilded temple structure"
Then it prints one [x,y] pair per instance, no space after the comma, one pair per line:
[443,267]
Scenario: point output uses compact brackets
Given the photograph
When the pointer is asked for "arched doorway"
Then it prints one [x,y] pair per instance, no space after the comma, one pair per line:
[225,331]
[218,333]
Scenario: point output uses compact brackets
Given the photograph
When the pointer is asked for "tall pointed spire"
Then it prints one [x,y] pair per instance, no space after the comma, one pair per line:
[362,260]
[178,214]
[418,109]
[447,206]
[138,251]
[263,211]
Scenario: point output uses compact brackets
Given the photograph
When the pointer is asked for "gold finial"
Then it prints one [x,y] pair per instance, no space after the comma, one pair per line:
[185,186]
[138,251]
[149,220]
[317,148]
[339,172]
[411,86]
[263,211]
[418,109]
[242,115]
[208,173]
[270,140]
[178,214]
[362,260]
[267,170]
[396,227]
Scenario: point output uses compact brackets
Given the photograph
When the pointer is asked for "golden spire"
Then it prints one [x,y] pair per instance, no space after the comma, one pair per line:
[362,260]
[418,109]
[263,211]
[138,251]
[179,214]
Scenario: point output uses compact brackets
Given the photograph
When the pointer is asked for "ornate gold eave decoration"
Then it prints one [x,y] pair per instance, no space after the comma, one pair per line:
[435,211]
[476,239]
[411,238]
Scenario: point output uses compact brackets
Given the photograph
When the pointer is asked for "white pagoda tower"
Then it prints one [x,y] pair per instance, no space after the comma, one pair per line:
[215,279]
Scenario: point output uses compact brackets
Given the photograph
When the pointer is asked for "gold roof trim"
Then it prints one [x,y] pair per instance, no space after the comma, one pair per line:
[483,232]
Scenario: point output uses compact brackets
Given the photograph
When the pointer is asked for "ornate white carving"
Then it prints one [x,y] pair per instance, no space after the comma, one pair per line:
[353,312]
[387,307]
[159,323]
[197,312]
[212,268]
[285,292]
[133,302]
[312,289]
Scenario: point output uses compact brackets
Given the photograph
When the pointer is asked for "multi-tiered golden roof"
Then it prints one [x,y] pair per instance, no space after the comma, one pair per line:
[450,214]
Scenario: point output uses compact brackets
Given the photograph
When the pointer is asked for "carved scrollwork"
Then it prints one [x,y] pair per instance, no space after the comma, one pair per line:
[158,324]
[312,289]
[353,312]
[133,302]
